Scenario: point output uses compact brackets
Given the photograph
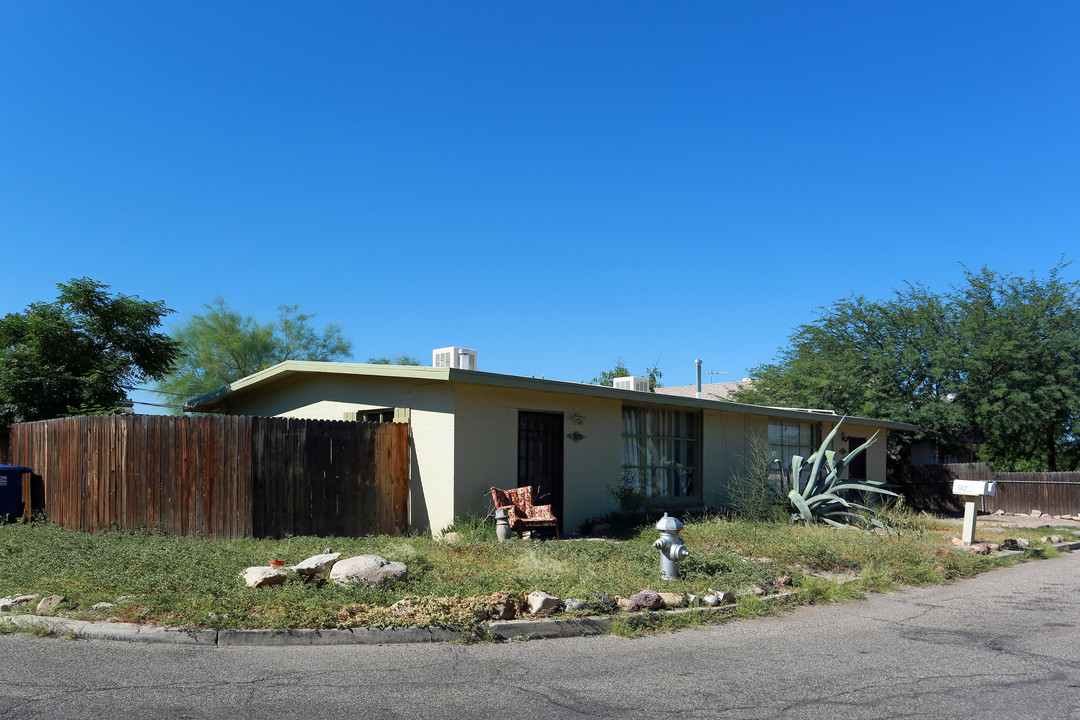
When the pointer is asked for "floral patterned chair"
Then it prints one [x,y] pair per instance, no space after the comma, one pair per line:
[521,513]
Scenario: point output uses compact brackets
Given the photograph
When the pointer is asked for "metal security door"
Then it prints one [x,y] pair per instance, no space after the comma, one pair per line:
[540,458]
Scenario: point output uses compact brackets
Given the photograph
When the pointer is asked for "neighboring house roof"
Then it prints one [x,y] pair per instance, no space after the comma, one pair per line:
[712,391]
[293,370]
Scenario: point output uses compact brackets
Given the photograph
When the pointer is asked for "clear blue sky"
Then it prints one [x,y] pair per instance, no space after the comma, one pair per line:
[559,185]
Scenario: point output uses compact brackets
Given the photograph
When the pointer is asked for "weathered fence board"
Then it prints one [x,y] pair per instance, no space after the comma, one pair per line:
[217,476]
[929,487]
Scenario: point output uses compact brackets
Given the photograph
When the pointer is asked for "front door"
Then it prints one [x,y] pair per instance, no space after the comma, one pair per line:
[540,458]
[857,468]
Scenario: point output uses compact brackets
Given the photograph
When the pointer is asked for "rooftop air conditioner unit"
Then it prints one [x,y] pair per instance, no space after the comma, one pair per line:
[454,357]
[632,382]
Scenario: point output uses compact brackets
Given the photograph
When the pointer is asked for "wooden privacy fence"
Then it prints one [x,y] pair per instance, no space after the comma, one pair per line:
[216,476]
[929,487]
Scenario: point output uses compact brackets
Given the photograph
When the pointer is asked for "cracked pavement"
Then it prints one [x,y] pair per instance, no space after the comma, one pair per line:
[1000,645]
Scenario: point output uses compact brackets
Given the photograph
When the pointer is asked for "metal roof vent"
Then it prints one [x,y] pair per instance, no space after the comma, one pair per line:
[632,382]
[454,357]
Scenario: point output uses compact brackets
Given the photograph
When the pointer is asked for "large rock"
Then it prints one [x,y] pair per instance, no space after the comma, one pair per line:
[673,600]
[16,603]
[368,570]
[648,599]
[539,601]
[50,604]
[503,606]
[316,564]
[258,577]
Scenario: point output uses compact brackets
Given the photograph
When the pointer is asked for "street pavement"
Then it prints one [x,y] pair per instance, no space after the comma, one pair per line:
[1001,645]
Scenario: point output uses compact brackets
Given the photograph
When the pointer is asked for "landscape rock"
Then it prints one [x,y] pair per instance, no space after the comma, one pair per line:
[999,512]
[316,564]
[16,603]
[50,604]
[626,604]
[956,541]
[979,549]
[711,600]
[723,597]
[693,600]
[539,601]
[647,599]
[1024,543]
[450,538]
[757,590]
[574,604]
[369,571]
[257,577]
[101,606]
[673,600]
[1010,544]
[783,581]
[1036,513]
[503,606]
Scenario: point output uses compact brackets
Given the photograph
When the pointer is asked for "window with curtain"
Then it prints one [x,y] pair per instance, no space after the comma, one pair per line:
[660,451]
[788,438]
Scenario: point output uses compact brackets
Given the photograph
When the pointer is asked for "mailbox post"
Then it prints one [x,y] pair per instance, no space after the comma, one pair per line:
[970,490]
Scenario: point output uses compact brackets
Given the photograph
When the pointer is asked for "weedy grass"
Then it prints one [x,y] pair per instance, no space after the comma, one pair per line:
[189,582]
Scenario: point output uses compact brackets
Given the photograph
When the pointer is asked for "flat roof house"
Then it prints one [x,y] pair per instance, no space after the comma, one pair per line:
[472,430]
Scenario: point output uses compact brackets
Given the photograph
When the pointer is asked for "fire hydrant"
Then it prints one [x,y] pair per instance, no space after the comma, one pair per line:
[670,546]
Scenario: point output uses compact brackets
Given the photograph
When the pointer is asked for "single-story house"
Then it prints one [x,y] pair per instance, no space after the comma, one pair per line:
[471,430]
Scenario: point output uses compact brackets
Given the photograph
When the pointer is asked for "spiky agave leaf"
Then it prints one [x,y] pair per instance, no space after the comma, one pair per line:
[819,498]
[800,504]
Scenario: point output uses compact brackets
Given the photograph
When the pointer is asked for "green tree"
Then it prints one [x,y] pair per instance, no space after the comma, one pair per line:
[1022,367]
[896,359]
[996,360]
[400,359]
[219,346]
[78,353]
[607,378]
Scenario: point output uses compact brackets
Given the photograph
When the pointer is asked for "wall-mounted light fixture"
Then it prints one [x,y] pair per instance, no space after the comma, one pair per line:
[578,418]
[576,436]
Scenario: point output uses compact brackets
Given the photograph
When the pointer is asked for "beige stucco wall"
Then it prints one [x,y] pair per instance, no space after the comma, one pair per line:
[486,447]
[725,450]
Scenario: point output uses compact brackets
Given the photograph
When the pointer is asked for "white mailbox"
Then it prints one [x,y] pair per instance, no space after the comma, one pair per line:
[973,487]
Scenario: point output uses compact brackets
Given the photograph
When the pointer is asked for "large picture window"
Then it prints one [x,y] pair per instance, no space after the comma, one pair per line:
[660,451]
[788,438]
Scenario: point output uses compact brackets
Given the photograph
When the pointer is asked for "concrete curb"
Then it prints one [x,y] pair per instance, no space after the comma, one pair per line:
[498,630]
[298,637]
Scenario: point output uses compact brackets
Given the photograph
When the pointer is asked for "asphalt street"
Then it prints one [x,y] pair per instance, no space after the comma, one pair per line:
[1001,645]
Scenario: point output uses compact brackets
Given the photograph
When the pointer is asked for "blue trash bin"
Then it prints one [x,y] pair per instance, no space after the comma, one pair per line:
[11,482]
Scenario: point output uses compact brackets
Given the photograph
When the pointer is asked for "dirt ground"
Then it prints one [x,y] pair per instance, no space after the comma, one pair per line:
[1019,521]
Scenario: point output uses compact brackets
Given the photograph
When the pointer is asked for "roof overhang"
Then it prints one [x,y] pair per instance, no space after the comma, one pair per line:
[293,370]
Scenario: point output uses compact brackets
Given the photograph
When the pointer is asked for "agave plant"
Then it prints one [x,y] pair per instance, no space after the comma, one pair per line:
[821,496]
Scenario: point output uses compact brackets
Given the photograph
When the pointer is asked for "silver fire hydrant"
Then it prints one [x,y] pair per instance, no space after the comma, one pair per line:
[670,546]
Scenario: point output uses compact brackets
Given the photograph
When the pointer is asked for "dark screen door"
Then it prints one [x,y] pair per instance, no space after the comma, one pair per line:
[540,458]
[857,468]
